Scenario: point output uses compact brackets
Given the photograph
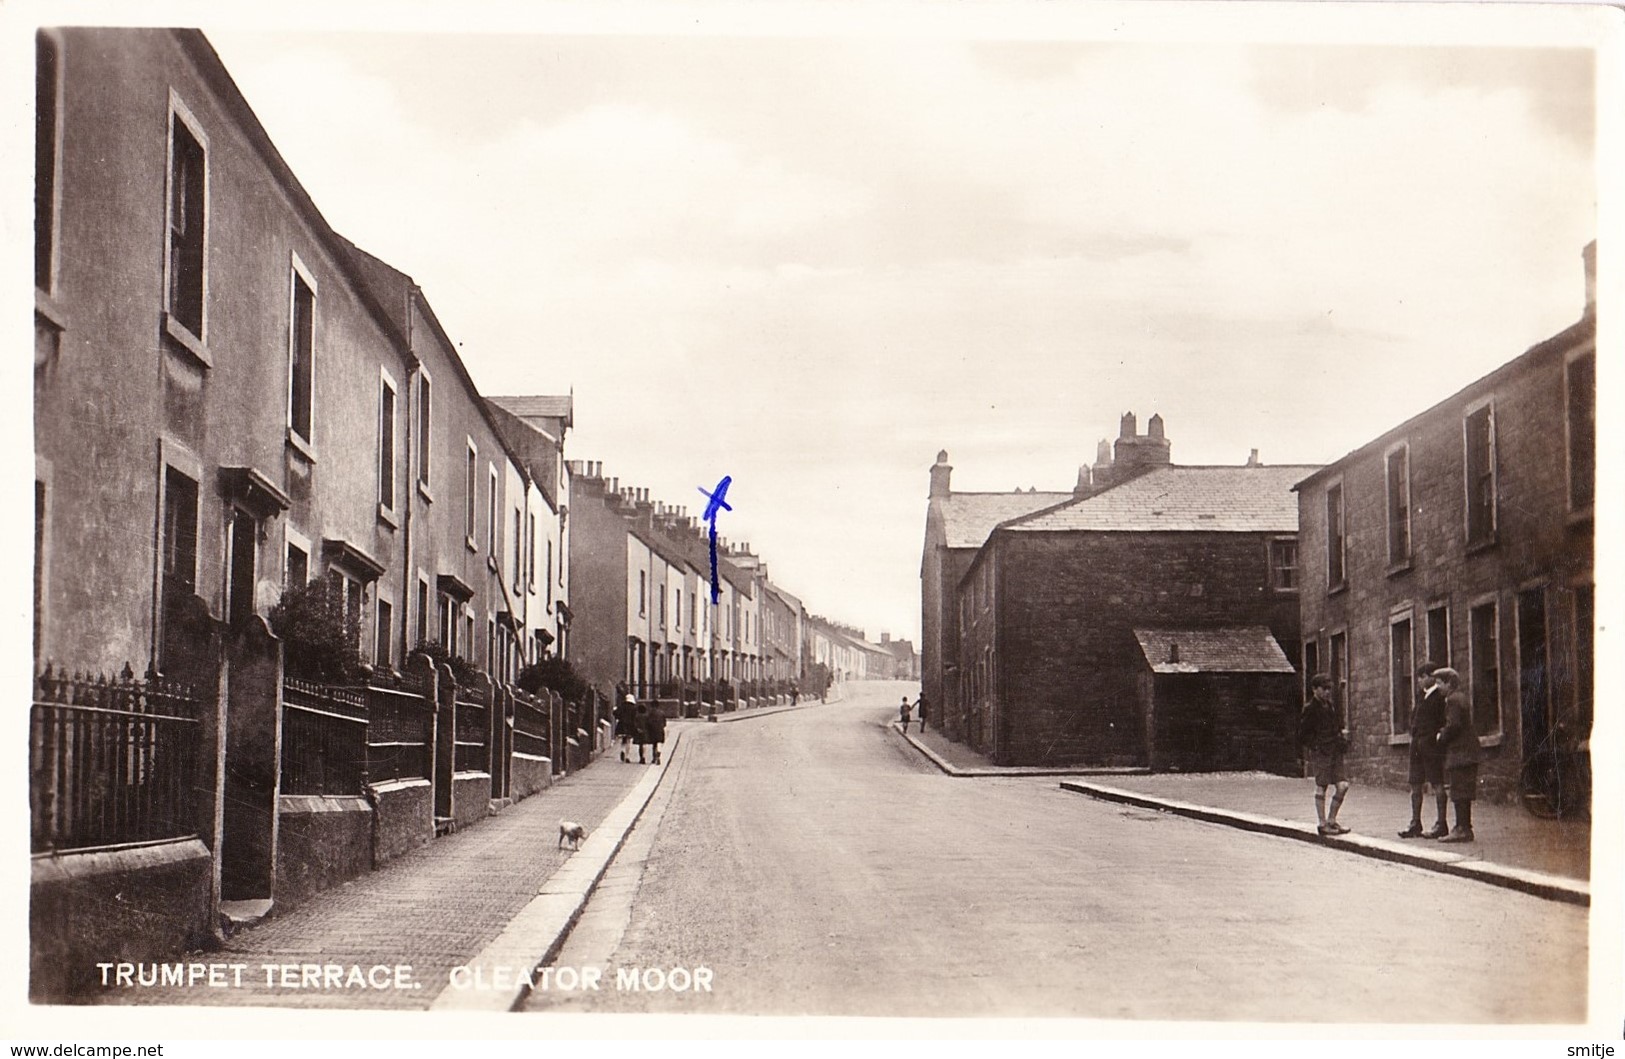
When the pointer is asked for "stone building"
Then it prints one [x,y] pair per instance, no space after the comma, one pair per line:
[1464,535]
[1150,623]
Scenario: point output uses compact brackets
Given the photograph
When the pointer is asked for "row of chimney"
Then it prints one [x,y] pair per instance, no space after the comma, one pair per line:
[634,503]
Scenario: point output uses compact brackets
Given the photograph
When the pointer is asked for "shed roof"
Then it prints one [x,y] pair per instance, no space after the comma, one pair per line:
[1189,499]
[1242,649]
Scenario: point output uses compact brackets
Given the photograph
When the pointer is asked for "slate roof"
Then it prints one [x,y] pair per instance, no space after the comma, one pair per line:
[1191,499]
[969,517]
[1245,649]
[544,406]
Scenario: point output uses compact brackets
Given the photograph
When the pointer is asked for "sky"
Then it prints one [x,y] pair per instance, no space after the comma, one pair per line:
[811,253]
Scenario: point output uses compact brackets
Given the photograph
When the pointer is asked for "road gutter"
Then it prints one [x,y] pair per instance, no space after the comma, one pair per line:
[1535,883]
[534,936]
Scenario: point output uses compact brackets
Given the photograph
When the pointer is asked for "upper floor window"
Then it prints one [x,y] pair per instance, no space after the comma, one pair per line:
[530,555]
[1336,542]
[643,593]
[386,442]
[1399,505]
[1582,416]
[518,552]
[470,485]
[1284,564]
[1479,430]
[425,404]
[187,219]
[47,87]
[302,354]
[491,522]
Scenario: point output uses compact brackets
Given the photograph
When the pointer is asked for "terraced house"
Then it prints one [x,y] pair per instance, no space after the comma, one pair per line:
[1464,536]
[234,404]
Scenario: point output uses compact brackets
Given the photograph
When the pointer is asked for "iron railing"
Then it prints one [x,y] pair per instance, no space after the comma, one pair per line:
[531,722]
[112,761]
[400,737]
[473,730]
[324,738]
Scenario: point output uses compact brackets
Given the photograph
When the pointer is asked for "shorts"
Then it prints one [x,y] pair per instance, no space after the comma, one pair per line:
[1463,782]
[1328,769]
[1426,767]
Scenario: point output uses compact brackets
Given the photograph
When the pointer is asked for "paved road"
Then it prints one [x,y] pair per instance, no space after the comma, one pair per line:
[816,864]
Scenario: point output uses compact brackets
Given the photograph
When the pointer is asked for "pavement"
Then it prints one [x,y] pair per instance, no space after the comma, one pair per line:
[1512,848]
[457,924]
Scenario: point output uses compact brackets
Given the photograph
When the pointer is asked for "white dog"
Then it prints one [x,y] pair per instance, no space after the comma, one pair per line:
[571,831]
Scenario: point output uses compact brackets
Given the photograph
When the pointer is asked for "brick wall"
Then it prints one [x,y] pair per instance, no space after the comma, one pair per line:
[1067,665]
[1539,547]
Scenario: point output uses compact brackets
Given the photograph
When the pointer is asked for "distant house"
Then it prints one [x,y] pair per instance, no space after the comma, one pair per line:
[1152,624]
[1464,535]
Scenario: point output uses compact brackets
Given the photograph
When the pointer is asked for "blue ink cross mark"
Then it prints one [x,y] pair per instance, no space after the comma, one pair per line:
[717,498]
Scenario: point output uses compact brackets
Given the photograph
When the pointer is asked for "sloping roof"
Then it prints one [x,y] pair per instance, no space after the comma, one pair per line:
[539,406]
[1245,649]
[968,518]
[1194,499]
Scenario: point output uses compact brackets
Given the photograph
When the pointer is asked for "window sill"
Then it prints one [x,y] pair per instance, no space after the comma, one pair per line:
[491,563]
[302,448]
[1402,739]
[423,491]
[1583,517]
[1291,590]
[1475,547]
[468,542]
[1337,589]
[1400,568]
[387,517]
[183,337]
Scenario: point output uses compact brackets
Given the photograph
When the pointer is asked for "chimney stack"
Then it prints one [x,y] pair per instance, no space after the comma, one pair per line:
[940,473]
[1127,428]
[1252,459]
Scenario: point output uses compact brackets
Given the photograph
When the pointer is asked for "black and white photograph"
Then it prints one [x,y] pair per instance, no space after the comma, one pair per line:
[916,520]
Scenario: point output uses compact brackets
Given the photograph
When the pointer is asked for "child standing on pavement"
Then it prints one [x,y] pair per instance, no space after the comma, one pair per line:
[1324,740]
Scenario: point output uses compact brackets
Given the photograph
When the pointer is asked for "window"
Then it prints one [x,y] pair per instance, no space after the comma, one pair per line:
[471,481]
[662,608]
[643,588]
[187,191]
[530,557]
[423,610]
[47,86]
[1439,636]
[1483,649]
[677,608]
[490,647]
[518,556]
[1399,506]
[1534,678]
[1336,548]
[1340,673]
[386,443]
[425,403]
[1284,564]
[550,572]
[1479,428]
[1582,416]
[491,523]
[448,623]
[244,545]
[382,655]
[351,596]
[180,533]
[297,571]
[302,355]
[1400,670]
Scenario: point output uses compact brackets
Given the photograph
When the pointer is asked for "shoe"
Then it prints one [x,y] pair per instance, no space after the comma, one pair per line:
[1458,835]
[1414,831]
[1328,830]
[1438,831]
[1337,828]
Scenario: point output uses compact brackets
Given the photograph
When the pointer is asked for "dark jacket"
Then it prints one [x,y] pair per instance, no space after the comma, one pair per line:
[640,725]
[1426,720]
[1320,728]
[654,726]
[626,717]
[1457,737]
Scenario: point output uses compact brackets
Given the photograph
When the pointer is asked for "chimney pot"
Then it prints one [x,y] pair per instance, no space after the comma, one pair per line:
[1153,429]
[1127,429]
[1252,459]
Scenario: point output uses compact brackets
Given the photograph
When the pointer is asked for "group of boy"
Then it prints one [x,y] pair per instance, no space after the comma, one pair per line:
[1444,754]
[636,723]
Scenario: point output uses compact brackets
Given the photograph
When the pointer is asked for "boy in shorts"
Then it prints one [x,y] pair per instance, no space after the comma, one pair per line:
[1324,740]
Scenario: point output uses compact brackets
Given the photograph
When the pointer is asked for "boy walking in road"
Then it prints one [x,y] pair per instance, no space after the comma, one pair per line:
[1324,740]
[1427,757]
